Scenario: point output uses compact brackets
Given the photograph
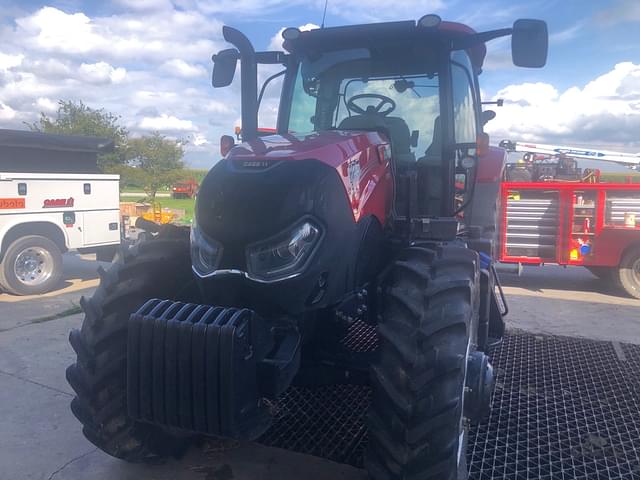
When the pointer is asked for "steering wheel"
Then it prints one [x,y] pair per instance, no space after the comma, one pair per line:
[352,107]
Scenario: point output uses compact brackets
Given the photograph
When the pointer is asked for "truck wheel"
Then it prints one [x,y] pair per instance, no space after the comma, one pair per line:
[416,423]
[628,274]
[31,265]
[160,268]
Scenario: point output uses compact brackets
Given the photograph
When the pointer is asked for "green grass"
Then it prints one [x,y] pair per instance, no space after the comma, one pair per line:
[186,204]
[183,175]
[620,177]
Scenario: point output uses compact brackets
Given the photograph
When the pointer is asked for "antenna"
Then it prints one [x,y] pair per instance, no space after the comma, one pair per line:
[324,14]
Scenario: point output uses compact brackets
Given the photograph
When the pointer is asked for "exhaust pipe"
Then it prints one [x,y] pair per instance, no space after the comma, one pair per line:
[249,81]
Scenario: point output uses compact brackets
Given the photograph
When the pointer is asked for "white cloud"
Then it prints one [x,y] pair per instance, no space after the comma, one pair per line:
[49,68]
[166,123]
[8,61]
[161,35]
[180,68]
[53,29]
[6,112]
[198,140]
[529,94]
[46,105]
[101,73]
[605,111]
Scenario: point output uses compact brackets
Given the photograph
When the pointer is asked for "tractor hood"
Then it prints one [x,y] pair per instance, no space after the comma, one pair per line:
[330,147]
[260,195]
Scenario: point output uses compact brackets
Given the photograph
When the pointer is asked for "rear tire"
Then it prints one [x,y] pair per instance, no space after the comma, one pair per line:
[32,265]
[429,307]
[628,273]
[160,268]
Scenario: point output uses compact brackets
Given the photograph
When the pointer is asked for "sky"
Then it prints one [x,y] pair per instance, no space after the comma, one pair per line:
[149,61]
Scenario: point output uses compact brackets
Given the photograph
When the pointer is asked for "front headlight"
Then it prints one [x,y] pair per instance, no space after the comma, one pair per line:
[205,252]
[284,255]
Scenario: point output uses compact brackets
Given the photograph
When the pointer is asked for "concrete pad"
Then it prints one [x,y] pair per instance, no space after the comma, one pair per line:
[80,278]
[38,436]
[40,353]
[240,462]
[574,318]
[570,301]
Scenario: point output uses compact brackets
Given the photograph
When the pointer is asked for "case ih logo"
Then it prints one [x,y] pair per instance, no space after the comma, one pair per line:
[255,164]
[58,202]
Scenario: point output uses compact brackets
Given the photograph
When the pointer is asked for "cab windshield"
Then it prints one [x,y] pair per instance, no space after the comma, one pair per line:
[353,90]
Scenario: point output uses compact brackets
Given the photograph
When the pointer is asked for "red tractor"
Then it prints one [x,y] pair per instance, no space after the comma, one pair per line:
[185,189]
[347,214]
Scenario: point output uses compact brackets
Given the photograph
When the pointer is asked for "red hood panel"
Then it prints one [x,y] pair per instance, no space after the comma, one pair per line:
[330,147]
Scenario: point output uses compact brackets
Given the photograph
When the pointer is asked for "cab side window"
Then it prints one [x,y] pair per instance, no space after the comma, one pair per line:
[464,114]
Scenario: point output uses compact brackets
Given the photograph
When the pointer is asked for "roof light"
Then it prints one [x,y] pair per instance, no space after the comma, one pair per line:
[430,21]
[290,33]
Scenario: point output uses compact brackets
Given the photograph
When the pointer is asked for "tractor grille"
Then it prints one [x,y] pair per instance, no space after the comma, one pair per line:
[564,408]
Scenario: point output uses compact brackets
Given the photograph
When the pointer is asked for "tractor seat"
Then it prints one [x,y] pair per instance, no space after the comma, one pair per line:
[394,127]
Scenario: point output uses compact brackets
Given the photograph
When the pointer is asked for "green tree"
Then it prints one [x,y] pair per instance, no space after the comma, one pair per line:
[155,162]
[76,118]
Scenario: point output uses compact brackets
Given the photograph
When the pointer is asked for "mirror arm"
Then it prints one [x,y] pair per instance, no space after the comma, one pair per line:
[249,81]
[472,40]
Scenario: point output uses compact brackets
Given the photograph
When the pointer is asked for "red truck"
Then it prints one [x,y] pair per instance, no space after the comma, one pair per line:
[551,211]
[185,189]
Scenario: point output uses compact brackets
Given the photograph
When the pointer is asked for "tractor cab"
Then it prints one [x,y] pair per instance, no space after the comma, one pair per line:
[413,82]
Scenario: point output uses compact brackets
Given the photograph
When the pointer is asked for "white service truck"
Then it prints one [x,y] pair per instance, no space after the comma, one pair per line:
[52,199]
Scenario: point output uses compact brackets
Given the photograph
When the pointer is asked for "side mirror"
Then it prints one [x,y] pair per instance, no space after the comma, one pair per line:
[529,43]
[226,143]
[224,67]
[486,116]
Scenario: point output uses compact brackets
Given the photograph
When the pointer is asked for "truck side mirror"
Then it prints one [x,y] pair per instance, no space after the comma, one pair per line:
[224,67]
[529,43]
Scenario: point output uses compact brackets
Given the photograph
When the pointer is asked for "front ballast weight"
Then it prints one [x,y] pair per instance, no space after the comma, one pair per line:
[203,368]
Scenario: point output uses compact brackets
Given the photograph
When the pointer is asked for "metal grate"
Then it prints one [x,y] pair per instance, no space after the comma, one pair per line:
[564,408]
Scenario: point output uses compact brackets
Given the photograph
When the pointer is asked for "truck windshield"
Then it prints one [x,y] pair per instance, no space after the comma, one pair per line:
[332,98]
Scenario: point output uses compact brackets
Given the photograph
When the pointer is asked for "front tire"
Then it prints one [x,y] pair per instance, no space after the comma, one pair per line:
[429,306]
[161,268]
[32,265]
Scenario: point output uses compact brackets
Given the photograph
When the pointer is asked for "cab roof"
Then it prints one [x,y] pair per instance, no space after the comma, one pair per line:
[387,33]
